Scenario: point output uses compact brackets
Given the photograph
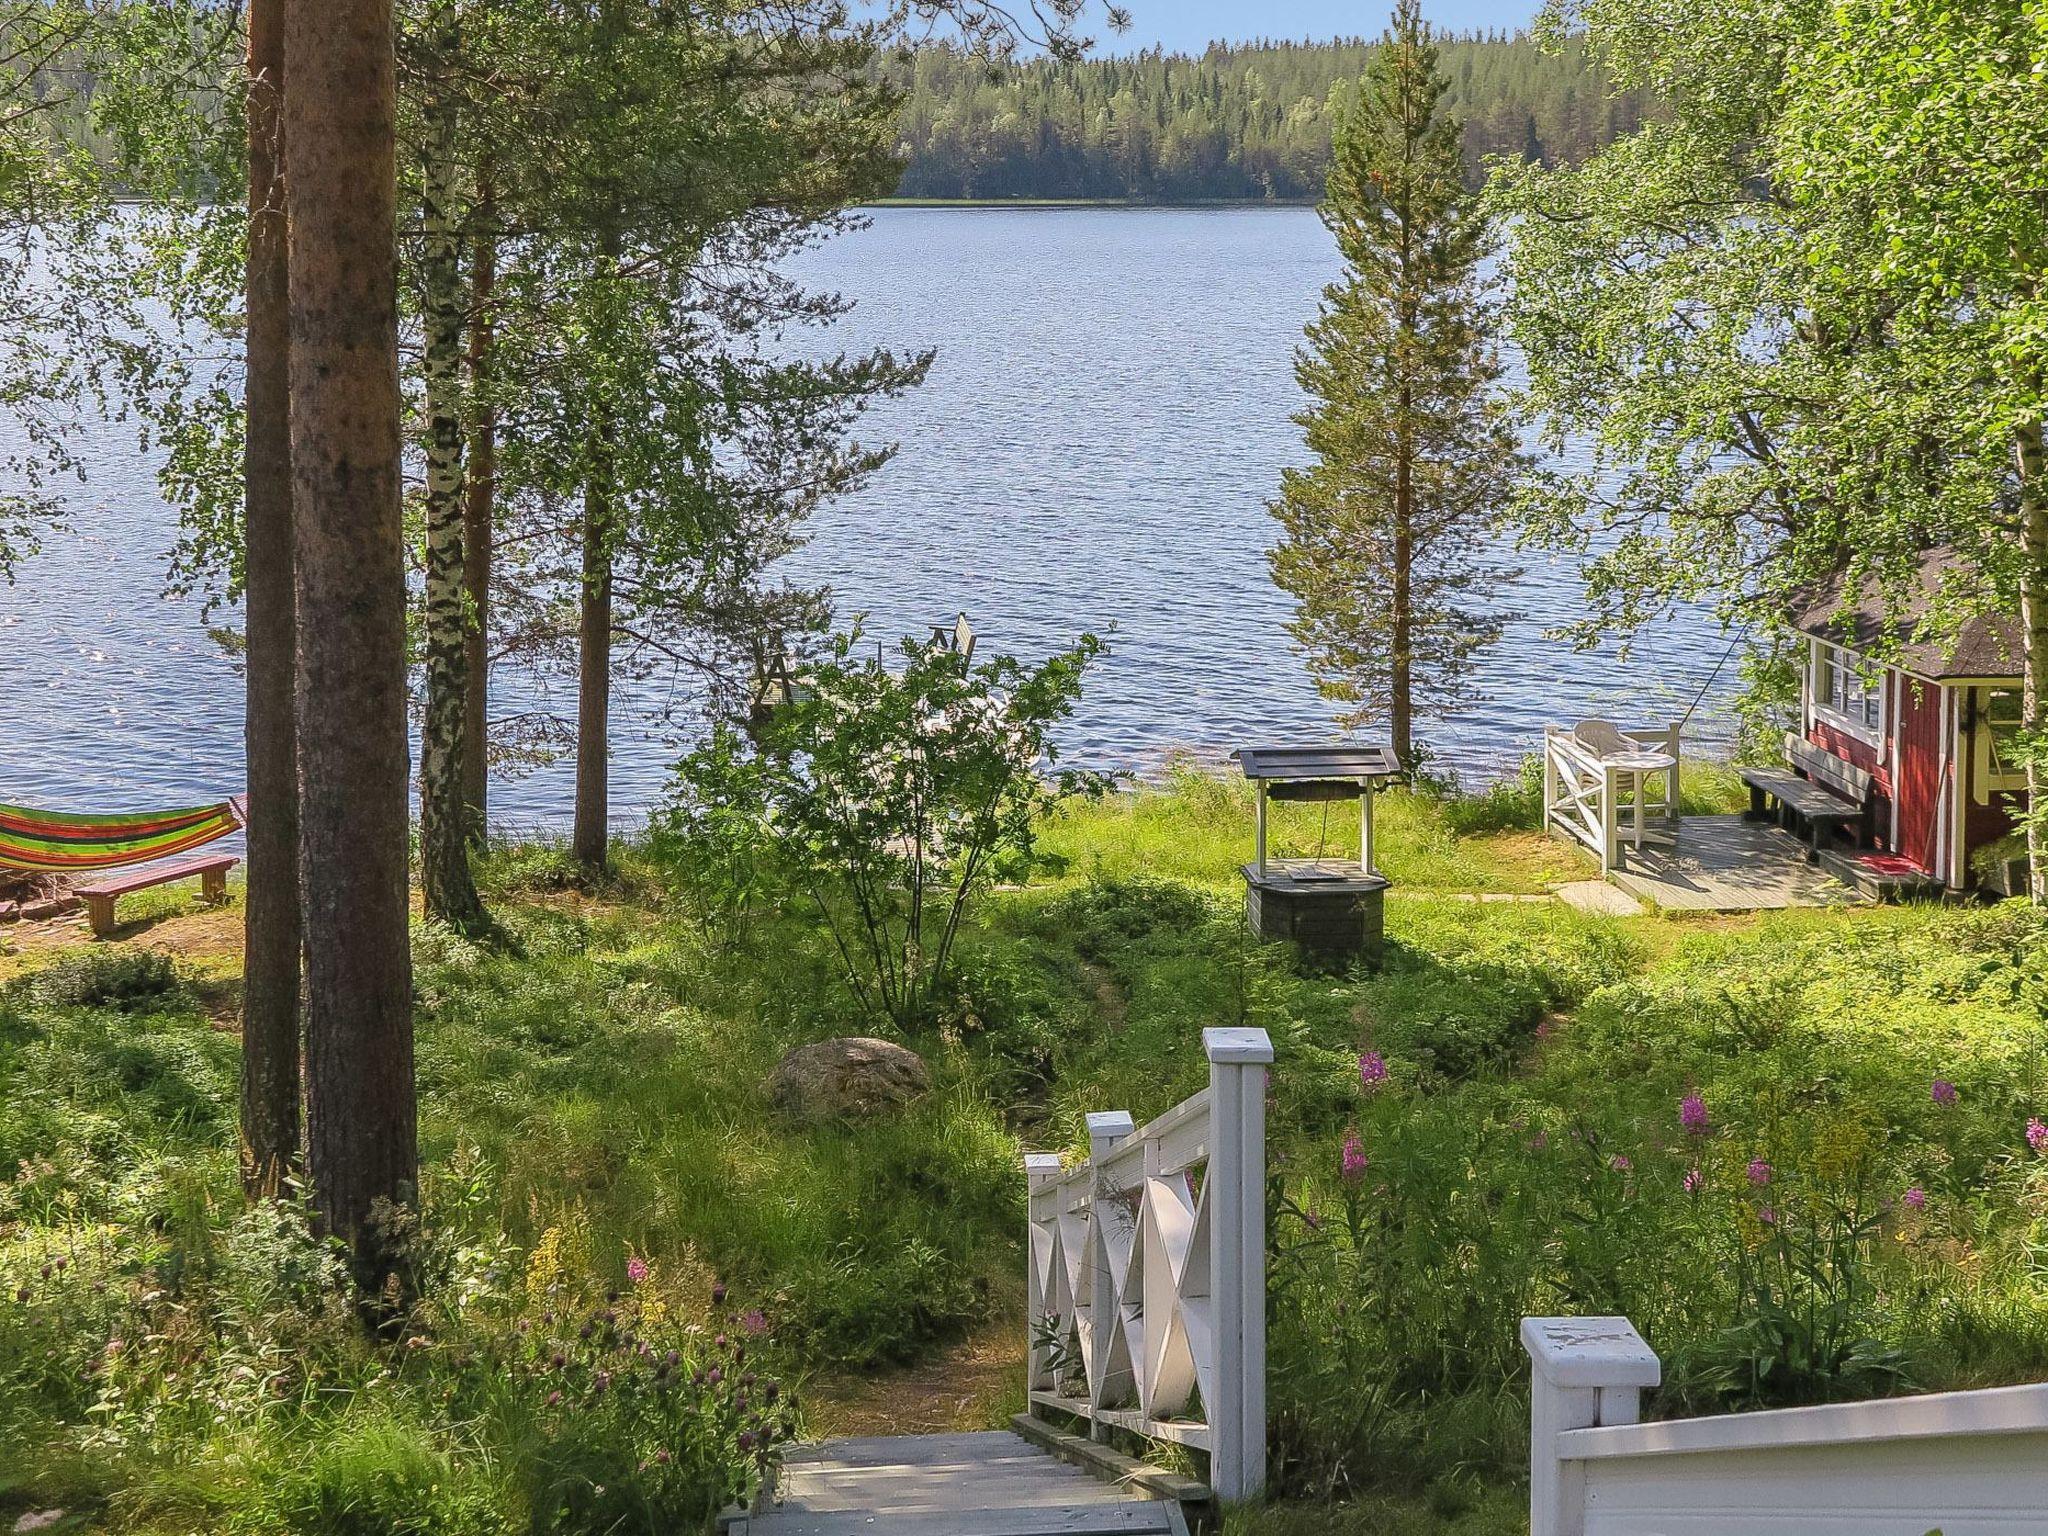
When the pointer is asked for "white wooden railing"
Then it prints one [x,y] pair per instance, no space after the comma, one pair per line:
[1608,805]
[1960,1463]
[1148,1271]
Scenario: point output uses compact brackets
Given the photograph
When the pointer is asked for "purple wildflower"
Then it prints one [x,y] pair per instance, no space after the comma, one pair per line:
[2037,1134]
[1353,1164]
[1916,1197]
[1692,1114]
[755,1321]
[1759,1172]
[1619,1163]
[1767,1216]
[718,1295]
[1944,1093]
[553,1398]
[1693,1180]
[636,1270]
[714,1376]
[1372,1070]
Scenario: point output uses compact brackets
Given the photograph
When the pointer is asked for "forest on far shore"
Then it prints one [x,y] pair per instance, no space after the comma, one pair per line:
[1245,122]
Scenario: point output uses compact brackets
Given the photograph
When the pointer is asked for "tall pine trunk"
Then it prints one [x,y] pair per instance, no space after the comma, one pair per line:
[270,998]
[592,832]
[590,838]
[449,890]
[2033,467]
[479,490]
[361,1116]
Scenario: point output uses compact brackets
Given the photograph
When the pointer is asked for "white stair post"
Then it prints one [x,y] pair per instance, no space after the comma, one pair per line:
[1105,1129]
[1584,1371]
[1235,1193]
[1040,1170]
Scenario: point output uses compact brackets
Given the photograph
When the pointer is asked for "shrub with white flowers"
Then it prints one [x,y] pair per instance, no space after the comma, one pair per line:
[892,795]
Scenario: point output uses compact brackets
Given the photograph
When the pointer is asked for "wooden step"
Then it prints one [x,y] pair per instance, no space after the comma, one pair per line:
[984,1484]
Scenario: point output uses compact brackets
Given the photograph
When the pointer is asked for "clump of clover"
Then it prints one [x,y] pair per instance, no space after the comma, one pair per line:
[892,793]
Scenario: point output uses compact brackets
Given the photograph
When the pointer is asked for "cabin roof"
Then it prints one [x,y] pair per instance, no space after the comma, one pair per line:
[1297,765]
[1987,645]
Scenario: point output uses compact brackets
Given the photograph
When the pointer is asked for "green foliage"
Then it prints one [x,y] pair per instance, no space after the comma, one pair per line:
[108,978]
[592,1101]
[891,798]
[1244,121]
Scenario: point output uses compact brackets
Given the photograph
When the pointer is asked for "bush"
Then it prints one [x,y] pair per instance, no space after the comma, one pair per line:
[107,978]
[892,799]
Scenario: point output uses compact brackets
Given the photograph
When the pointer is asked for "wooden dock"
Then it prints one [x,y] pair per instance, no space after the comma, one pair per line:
[1729,864]
[991,1483]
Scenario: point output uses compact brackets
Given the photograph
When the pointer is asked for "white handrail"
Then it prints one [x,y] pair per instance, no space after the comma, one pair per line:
[1147,1284]
[1963,1463]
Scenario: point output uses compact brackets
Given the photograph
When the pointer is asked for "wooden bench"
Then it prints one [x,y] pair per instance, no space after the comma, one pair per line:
[1824,793]
[213,885]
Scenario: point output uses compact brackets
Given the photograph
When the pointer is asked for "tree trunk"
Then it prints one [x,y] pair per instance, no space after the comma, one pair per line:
[361,1129]
[270,995]
[448,889]
[2033,466]
[592,831]
[480,487]
[591,836]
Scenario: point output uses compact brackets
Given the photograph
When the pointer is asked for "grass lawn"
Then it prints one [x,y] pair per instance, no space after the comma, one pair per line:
[1828,1222]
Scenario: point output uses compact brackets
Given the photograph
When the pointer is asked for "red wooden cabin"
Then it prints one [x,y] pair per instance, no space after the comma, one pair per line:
[1931,726]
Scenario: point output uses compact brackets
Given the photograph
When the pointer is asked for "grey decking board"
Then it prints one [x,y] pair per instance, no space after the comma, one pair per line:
[990,1483]
[1727,864]
[1133,1518]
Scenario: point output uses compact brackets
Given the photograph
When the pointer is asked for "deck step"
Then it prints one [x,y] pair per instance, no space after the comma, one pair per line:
[1138,1518]
[990,1483]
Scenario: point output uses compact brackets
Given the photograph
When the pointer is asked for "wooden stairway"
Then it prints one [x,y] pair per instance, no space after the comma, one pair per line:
[992,1483]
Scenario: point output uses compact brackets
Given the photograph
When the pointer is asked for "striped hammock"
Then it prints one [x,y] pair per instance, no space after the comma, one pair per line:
[54,842]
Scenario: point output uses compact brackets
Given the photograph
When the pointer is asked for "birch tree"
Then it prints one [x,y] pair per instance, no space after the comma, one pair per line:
[1914,141]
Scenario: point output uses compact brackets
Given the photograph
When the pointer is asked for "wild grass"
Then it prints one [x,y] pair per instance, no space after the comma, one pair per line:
[592,1097]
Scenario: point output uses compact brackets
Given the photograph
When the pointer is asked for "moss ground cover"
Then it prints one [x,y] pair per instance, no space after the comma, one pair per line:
[1795,1149]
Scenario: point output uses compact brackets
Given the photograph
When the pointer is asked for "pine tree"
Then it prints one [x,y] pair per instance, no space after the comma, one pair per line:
[1387,534]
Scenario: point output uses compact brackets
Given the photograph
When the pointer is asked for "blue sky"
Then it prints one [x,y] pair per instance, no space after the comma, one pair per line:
[1188,24]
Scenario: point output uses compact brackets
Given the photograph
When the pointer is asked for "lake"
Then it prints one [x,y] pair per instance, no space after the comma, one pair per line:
[1108,415]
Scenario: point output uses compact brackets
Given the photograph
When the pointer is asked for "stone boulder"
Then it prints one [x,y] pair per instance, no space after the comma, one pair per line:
[852,1075]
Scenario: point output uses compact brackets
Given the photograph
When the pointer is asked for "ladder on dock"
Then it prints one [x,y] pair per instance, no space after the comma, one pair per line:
[988,1483]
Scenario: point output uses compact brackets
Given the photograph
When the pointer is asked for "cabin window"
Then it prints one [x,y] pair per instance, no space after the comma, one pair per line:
[1843,696]
[1998,727]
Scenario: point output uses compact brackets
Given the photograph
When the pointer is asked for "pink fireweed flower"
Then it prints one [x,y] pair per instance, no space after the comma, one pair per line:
[636,1270]
[1759,1172]
[1353,1163]
[1692,1114]
[1372,1070]
[1693,1180]
[1944,1093]
[1916,1197]
[2037,1134]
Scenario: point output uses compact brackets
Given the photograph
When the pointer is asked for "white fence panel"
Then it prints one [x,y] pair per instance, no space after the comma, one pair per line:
[1961,1463]
[1147,1288]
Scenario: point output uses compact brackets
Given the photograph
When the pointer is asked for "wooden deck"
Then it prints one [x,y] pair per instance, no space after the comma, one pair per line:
[1727,864]
[985,1484]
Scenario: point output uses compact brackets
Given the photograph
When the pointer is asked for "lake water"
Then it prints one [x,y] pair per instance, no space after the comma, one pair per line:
[1107,418]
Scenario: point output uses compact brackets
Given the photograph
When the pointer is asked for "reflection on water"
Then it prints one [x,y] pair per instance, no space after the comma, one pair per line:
[1109,412]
